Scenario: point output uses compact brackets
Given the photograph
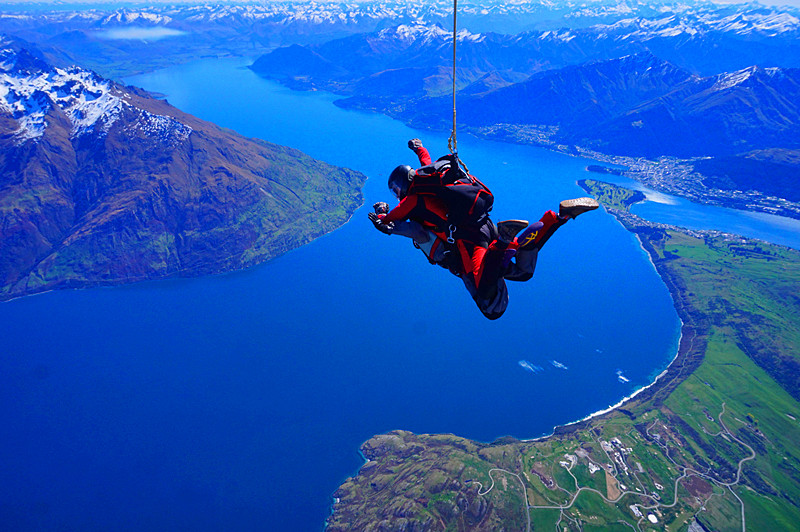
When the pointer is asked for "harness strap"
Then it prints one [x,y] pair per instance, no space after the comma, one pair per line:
[466,260]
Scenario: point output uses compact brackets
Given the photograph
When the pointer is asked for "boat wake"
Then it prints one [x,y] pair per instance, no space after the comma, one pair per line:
[533,368]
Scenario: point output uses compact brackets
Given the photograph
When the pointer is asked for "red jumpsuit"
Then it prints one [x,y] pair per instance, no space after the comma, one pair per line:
[480,255]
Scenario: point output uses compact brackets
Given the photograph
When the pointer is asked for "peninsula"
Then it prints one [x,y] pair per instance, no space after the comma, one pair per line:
[103,184]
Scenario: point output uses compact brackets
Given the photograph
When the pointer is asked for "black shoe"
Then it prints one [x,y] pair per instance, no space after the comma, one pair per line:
[571,208]
[508,229]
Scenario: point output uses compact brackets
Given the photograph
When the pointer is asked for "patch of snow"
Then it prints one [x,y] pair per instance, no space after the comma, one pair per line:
[419,32]
[560,35]
[415,32]
[84,97]
[164,128]
[728,80]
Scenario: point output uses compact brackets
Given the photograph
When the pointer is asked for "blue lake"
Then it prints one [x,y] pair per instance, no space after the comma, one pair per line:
[239,401]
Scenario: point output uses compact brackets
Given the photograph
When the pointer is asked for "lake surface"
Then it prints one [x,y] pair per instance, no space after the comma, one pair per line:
[239,401]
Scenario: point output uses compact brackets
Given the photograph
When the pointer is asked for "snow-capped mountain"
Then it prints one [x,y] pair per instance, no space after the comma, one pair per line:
[494,15]
[732,113]
[89,102]
[420,34]
[363,63]
[128,17]
[759,21]
[104,184]
[695,35]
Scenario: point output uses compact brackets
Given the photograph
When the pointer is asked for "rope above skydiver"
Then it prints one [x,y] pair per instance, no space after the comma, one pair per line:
[452,142]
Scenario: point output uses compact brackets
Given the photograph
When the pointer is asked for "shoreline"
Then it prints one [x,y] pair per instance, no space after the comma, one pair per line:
[568,427]
[89,284]
[631,164]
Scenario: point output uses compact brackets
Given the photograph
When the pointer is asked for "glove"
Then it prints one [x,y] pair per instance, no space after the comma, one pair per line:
[381,207]
[386,229]
[414,144]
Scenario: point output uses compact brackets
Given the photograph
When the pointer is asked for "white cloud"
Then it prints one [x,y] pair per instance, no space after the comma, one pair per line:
[138,33]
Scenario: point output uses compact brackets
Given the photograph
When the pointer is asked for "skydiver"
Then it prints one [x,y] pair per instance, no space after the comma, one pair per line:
[483,255]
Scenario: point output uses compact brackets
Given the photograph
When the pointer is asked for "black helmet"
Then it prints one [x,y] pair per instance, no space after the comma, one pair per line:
[400,179]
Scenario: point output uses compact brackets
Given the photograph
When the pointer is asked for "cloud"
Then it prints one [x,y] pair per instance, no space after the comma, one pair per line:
[138,33]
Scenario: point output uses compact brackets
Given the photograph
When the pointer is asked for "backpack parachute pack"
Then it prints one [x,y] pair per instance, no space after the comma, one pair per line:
[467,199]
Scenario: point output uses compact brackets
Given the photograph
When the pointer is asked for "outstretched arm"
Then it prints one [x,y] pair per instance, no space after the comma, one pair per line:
[402,210]
[422,153]
[384,222]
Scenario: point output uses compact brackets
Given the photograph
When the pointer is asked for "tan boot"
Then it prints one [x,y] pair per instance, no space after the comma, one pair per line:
[571,208]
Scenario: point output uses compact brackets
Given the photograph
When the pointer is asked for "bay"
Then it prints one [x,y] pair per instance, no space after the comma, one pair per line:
[238,401]
[673,210]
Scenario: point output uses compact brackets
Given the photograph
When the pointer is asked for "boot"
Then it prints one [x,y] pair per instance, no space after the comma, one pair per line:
[571,208]
[508,229]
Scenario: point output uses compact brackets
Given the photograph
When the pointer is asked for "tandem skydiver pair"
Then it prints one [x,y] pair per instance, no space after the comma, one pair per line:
[445,211]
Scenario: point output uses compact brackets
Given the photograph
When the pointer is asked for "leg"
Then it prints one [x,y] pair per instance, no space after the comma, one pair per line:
[551,222]
[567,210]
[487,267]
[523,266]
[492,307]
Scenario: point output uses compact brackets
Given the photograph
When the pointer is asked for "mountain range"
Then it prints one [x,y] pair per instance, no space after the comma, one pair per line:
[641,106]
[704,37]
[104,184]
[636,105]
[704,41]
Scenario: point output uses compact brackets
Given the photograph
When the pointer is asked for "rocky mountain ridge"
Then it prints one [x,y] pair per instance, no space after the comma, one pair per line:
[34,89]
[732,113]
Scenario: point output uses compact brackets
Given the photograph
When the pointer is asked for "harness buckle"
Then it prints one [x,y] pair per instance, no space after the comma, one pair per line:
[450,239]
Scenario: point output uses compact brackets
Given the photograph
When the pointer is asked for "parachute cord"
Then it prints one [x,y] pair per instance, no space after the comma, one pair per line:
[452,142]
